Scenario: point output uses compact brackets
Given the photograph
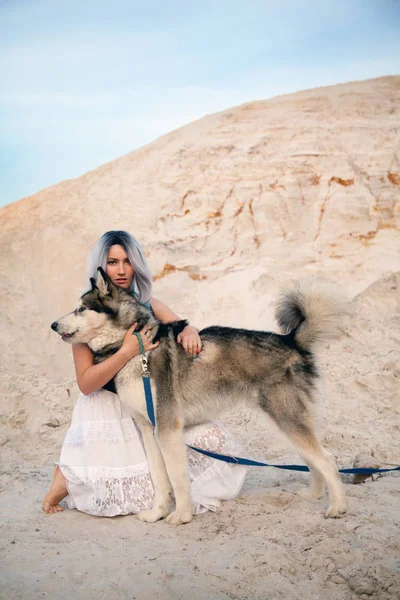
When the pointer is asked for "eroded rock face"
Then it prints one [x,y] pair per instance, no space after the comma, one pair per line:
[227,208]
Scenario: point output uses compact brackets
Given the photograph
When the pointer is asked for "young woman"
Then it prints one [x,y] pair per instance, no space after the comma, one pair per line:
[103,469]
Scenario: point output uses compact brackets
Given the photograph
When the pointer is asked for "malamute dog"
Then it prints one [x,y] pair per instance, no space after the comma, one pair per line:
[274,373]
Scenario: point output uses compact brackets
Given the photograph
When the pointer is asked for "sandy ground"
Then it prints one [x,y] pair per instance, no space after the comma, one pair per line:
[269,543]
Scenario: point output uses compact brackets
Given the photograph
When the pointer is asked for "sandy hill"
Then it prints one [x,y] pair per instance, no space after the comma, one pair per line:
[227,208]
[302,183]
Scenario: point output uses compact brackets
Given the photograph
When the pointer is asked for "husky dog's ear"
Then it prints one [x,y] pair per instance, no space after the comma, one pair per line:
[93,283]
[103,283]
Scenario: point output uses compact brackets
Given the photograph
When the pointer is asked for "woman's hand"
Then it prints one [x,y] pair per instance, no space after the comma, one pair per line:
[190,340]
[130,346]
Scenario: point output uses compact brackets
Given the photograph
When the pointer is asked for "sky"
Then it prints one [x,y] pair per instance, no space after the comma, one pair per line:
[83,82]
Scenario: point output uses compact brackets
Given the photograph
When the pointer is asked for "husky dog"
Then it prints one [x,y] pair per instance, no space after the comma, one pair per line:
[274,373]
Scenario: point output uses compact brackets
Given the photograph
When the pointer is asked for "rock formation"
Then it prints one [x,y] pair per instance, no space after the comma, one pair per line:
[226,208]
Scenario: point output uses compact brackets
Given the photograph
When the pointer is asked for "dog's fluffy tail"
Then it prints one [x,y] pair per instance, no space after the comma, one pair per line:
[309,311]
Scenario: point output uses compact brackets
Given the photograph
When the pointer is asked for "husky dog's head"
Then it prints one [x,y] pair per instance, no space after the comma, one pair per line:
[103,314]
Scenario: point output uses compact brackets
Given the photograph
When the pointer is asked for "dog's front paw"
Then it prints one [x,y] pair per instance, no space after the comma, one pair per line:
[178,517]
[336,510]
[153,515]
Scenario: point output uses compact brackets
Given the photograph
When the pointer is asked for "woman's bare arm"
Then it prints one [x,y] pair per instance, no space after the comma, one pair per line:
[162,312]
[189,337]
[91,377]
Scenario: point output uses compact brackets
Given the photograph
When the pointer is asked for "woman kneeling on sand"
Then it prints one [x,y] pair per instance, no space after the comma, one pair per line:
[103,469]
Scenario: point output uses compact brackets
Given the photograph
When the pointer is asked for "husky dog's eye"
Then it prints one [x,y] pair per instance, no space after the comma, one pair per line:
[81,309]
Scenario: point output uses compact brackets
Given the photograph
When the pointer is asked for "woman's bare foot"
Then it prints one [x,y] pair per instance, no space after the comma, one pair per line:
[57,492]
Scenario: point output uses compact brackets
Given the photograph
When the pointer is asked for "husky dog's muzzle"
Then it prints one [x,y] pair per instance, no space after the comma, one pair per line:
[65,336]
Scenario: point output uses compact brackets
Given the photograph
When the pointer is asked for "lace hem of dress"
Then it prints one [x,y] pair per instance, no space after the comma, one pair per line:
[117,495]
[125,490]
[100,431]
[114,496]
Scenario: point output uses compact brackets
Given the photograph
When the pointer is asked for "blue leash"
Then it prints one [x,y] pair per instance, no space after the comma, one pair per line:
[146,380]
[254,463]
[149,399]
[237,460]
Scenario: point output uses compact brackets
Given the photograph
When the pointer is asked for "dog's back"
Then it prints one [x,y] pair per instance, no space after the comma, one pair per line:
[243,366]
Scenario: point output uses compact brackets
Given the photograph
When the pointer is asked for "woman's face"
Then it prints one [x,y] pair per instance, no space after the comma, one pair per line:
[118,267]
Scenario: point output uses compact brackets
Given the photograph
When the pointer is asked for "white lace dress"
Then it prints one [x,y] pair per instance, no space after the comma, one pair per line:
[104,464]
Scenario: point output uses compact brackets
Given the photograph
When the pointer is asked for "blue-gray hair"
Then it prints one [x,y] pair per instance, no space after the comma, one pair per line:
[142,280]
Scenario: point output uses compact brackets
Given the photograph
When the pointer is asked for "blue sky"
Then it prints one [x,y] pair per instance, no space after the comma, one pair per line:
[84,82]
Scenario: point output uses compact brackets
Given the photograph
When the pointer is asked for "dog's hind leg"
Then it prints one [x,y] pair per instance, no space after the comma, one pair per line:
[322,466]
[158,472]
[293,419]
[174,452]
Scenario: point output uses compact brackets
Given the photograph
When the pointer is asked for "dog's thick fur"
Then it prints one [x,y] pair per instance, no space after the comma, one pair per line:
[274,373]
